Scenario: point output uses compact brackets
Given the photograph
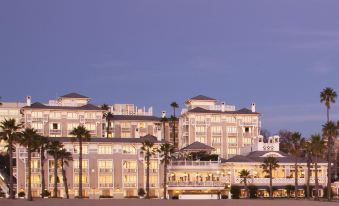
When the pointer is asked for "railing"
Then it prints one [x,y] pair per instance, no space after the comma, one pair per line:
[196,184]
[152,171]
[232,133]
[129,184]
[77,170]
[201,122]
[194,163]
[216,143]
[34,170]
[51,170]
[55,131]
[37,119]
[125,129]
[130,170]
[217,133]
[83,184]
[34,185]
[200,133]
[153,185]
[110,185]
[232,144]
[58,185]
[105,170]
[279,180]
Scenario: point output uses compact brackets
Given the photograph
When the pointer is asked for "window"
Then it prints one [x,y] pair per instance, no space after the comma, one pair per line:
[130,178]
[90,127]
[84,179]
[216,140]
[84,164]
[125,134]
[71,126]
[55,115]
[72,115]
[232,151]
[247,119]
[129,149]
[247,141]
[105,164]
[35,164]
[35,179]
[130,164]
[246,129]
[216,151]
[200,129]
[36,125]
[200,118]
[231,129]
[54,126]
[216,130]
[90,115]
[84,149]
[36,114]
[201,139]
[232,140]
[105,149]
[105,179]
[229,119]
[215,118]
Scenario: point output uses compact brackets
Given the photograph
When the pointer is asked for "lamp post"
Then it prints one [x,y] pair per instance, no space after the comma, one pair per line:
[229,191]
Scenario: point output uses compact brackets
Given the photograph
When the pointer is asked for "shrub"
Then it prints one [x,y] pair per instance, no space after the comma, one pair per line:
[132,197]
[105,196]
[224,196]
[235,191]
[252,189]
[45,193]
[141,192]
[325,192]
[21,194]
[175,197]
[289,189]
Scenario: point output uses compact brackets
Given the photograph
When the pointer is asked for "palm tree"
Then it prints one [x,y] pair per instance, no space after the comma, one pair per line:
[43,143]
[328,96]
[295,147]
[270,164]
[244,175]
[81,134]
[166,154]
[107,116]
[317,147]
[147,147]
[10,134]
[53,149]
[28,139]
[164,119]
[307,150]
[329,131]
[174,105]
[64,157]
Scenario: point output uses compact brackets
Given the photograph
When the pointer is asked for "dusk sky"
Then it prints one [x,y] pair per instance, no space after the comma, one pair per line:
[278,54]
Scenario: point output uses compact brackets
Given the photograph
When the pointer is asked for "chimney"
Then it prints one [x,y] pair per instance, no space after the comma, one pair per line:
[222,106]
[253,107]
[29,100]
[163,114]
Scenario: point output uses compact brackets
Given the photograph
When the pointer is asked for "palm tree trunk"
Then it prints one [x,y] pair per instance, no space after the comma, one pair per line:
[271,183]
[11,189]
[42,170]
[108,127]
[308,179]
[55,195]
[64,178]
[296,178]
[29,156]
[328,113]
[147,175]
[80,168]
[245,183]
[329,170]
[174,129]
[165,179]
[316,178]
[163,127]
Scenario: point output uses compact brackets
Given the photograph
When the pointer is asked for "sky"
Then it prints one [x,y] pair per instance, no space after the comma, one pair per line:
[278,54]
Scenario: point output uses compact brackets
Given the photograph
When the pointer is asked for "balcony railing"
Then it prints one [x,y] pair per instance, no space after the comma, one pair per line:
[105,170]
[110,185]
[54,131]
[129,184]
[279,180]
[34,170]
[194,163]
[77,170]
[58,185]
[130,170]
[196,184]
[152,171]
[83,184]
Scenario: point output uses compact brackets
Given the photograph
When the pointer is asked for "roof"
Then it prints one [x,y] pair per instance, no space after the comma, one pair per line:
[38,105]
[257,156]
[113,140]
[240,111]
[198,146]
[74,95]
[202,97]
[134,117]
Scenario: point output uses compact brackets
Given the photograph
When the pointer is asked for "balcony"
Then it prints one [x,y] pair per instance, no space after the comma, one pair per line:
[83,184]
[37,119]
[196,184]
[130,170]
[200,122]
[280,180]
[34,170]
[51,185]
[217,133]
[55,131]
[106,185]
[194,164]
[129,184]
[152,171]
[105,170]
[125,129]
[200,133]
[84,170]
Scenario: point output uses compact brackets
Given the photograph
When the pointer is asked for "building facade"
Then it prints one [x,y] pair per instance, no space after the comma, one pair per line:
[218,125]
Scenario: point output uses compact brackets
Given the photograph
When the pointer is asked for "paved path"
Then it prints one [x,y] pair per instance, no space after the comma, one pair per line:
[137,202]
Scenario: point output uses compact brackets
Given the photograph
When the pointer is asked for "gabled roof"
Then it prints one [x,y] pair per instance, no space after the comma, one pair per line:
[202,110]
[74,95]
[202,97]
[197,146]
[38,105]
[238,158]
[134,117]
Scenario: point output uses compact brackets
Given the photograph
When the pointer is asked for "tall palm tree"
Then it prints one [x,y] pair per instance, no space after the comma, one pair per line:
[307,153]
[270,164]
[64,157]
[295,147]
[107,116]
[174,105]
[329,132]
[166,154]
[53,149]
[10,133]
[317,147]
[328,96]
[81,134]
[43,143]
[163,120]
[28,139]
[245,175]
[147,148]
